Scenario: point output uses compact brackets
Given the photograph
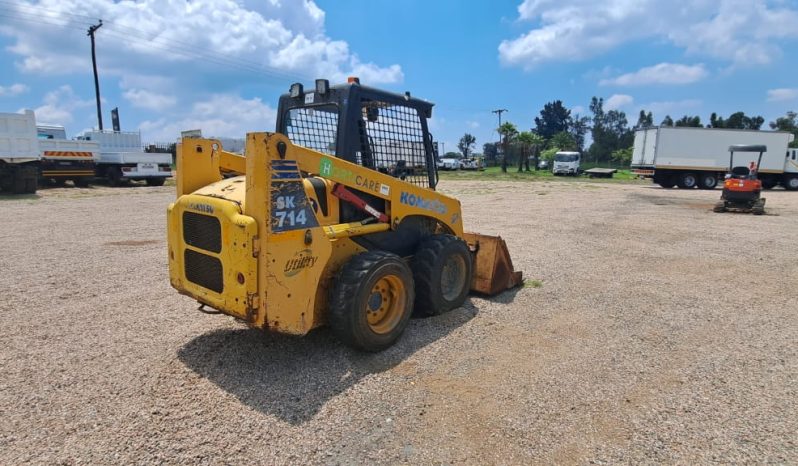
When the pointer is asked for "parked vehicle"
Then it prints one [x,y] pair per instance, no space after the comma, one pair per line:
[122,159]
[63,159]
[31,153]
[19,153]
[543,165]
[449,164]
[567,163]
[471,164]
[698,157]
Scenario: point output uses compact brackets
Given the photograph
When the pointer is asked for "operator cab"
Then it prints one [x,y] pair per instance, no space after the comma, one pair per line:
[379,130]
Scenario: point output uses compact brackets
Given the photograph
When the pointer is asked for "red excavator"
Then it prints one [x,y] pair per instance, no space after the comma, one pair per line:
[742,188]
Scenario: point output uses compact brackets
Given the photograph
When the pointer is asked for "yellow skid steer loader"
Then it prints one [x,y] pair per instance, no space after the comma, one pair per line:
[334,219]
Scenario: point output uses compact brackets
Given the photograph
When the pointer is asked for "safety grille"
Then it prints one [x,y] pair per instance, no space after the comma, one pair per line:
[202,231]
[315,128]
[204,270]
[392,141]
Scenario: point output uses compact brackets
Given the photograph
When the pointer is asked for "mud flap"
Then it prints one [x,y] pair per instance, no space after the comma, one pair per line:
[493,268]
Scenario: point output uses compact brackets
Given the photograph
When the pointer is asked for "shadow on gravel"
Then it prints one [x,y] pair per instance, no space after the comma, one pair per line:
[292,377]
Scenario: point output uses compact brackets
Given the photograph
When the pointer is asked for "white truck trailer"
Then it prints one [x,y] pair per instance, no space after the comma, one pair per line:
[699,157]
[122,159]
[65,159]
[19,153]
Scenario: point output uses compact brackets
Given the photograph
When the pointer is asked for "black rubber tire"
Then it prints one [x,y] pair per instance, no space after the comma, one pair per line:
[687,181]
[155,181]
[719,207]
[81,182]
[114,177]
[351,291]
[707,181]
[769,182]
[428,267]
[791,183]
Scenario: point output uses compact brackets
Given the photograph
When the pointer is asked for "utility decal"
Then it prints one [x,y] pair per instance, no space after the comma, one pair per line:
[303,259]
[413,200]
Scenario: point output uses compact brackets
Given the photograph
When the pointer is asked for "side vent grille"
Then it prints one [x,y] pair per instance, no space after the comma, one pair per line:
[202,231]
[204,270]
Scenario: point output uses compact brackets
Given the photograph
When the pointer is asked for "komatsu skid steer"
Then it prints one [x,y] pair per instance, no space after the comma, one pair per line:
[333,219]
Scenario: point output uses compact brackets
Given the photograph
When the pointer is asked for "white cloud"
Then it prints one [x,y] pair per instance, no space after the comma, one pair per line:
[472,124]
[282,40]
[60,105]
[743,32]
[780,95]
[222,115]
[13,90]
[618,101]
[142,98]
[662,73]
[577,110]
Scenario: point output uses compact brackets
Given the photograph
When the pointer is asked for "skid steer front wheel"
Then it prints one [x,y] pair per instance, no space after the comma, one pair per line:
[371,300]
[442,271]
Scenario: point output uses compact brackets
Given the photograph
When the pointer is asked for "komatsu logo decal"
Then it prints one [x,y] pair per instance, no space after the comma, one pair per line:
[208,209]
[412,200]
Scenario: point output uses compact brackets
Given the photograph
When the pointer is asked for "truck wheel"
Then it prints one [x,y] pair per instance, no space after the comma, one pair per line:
[114,176]
[687,181]
[769,182]
[791,183]
[371,300]
[708,181]
[442,271]
[155,181]
[81,182]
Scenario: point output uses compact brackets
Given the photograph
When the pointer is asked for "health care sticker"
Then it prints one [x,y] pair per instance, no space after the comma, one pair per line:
[343,175]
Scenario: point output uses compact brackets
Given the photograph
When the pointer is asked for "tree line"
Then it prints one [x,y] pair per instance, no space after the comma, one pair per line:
[558,129]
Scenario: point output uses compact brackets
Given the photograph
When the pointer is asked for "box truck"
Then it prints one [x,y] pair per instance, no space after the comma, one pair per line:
[699,157]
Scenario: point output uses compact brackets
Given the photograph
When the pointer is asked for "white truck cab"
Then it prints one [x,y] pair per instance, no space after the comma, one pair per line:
[567,163]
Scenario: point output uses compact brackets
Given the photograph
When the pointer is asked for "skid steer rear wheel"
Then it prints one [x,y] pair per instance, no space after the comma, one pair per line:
[442,271]
[371,300]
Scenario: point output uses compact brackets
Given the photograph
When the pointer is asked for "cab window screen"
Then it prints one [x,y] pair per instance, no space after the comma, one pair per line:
[392,141]
[313,127]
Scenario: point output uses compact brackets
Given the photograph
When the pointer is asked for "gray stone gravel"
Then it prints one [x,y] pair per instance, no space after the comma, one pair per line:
[662,332]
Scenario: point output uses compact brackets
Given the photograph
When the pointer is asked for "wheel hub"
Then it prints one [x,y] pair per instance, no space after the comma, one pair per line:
[385,304]
[453,277]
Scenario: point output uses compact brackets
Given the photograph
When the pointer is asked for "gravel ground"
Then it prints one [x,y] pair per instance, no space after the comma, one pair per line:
[662,332]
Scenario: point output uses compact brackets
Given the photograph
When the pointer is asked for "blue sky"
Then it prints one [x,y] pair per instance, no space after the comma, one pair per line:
[220,65]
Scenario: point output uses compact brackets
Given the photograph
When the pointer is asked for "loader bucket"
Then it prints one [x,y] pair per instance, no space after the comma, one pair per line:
[493,268]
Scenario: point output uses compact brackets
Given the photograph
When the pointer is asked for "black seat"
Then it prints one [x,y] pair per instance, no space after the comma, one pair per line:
[740,172]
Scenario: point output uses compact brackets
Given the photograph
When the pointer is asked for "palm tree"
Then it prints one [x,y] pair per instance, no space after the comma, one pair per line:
[529,141]
[508,131]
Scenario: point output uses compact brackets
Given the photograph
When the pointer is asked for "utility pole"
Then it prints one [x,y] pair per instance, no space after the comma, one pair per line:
[92,29]
[499,112]
[443,149]
[498,130]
